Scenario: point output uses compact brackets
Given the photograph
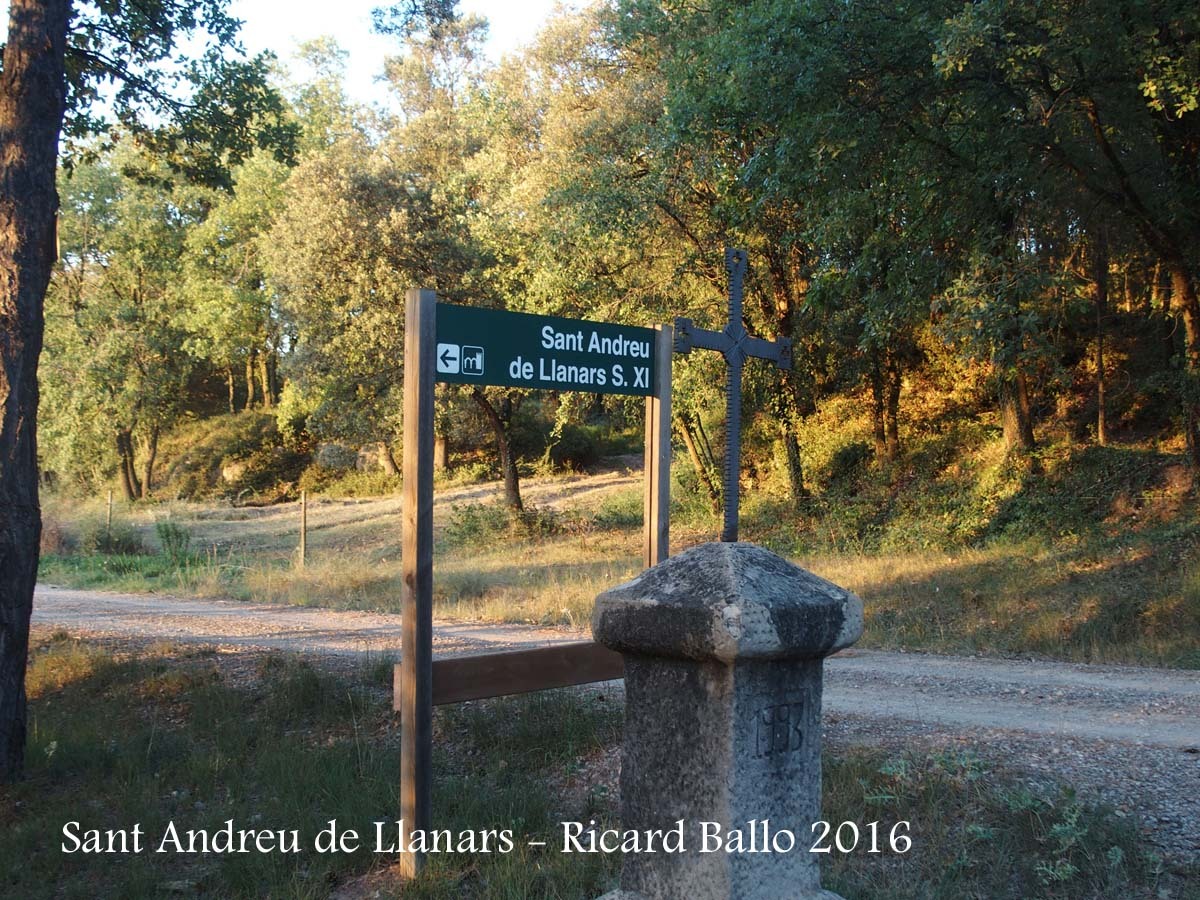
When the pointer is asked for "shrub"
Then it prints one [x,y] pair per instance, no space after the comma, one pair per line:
[577,448]
[848,460]
[56,541]
[269,469]
[119,540]
[620,510]
[174,540]
[337,483]
[480,523]
[316,478]
[337,456]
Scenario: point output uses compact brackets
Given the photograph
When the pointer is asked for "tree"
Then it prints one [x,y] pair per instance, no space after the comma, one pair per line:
[199,116]
[231,314]
[339,256]
[1107,95]
[115,377]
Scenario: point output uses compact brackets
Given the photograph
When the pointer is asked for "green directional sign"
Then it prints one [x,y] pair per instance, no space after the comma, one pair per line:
[493,346]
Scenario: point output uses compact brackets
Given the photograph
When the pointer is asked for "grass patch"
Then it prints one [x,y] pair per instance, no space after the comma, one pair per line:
[168,737]
[977,836]
[151,740]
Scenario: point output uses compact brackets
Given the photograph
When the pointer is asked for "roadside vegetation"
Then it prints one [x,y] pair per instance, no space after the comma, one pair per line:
[954,547]
[167,734]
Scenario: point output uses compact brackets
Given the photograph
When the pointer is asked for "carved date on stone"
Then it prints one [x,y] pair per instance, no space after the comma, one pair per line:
[779,729]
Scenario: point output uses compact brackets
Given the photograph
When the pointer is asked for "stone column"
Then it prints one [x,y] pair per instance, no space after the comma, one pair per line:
[723,648]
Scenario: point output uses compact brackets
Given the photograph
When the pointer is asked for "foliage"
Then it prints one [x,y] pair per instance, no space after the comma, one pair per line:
[338,483]
[199,113]
[173,540]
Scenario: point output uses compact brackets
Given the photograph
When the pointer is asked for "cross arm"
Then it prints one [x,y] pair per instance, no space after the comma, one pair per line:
[778,351]
[688,337]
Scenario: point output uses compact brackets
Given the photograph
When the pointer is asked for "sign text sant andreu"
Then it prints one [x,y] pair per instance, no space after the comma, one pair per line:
[493,346]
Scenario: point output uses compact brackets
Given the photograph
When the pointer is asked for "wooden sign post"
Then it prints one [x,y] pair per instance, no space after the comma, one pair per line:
[467,345]
[416,592]
[656,472]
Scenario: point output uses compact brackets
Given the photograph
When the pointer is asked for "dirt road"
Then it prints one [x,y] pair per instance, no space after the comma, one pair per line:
[1127,736]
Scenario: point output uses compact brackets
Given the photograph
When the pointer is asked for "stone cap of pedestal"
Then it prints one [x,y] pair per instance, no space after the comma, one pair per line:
[730,601]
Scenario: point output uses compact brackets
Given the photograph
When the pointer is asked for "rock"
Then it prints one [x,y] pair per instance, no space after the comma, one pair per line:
[723,648]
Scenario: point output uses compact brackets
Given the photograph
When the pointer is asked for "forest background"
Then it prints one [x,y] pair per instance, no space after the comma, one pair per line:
[978,224]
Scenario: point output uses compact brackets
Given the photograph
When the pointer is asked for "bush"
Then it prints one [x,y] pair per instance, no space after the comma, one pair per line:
[481,523]
[337,456]
[338,483]
[848,460]
[577,448]
[119,540]
[269,470]
[174,540]
[197,456]
[56,540]
[621,510]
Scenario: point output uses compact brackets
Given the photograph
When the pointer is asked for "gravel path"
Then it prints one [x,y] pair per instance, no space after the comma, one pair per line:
[1128,736]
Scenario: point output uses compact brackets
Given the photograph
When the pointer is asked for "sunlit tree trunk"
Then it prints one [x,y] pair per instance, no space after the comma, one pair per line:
[703,466]
[508,462]
[264,379]
[249,380]
[130,483]
[148,470]
[1100,297]
[1015,413]
[1186,302]
[388,460]
[878,406]
[895,378]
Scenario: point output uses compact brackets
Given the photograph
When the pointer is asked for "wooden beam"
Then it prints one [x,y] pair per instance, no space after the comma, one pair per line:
[460,678]
[656,473]
[415,694]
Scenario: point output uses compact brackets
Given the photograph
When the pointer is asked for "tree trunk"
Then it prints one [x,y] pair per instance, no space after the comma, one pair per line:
[441,453]
[788,408]
[508,463]
[1185,300]
[264,378]
[703,472]
[387,460]
[1015,414]
[878,424]
[130,483]
[795,466]
[273,375]
[148,471]
[1100,296]
[892,413]
[32,91]
[229,382]
[249,380]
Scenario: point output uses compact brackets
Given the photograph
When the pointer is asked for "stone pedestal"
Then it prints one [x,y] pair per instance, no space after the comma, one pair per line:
[723,647]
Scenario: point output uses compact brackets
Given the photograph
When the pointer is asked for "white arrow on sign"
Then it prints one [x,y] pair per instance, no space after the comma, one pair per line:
[448,358]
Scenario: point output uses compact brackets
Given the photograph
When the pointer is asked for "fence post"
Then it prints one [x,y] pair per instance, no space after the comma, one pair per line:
[303,527]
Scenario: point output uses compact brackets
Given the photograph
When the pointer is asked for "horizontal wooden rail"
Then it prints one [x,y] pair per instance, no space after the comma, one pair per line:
[460,678]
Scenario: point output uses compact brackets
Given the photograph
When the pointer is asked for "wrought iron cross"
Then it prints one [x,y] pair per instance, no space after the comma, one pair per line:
[736,345]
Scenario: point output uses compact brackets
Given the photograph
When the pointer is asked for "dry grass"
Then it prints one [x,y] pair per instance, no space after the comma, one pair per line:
[1114,594]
